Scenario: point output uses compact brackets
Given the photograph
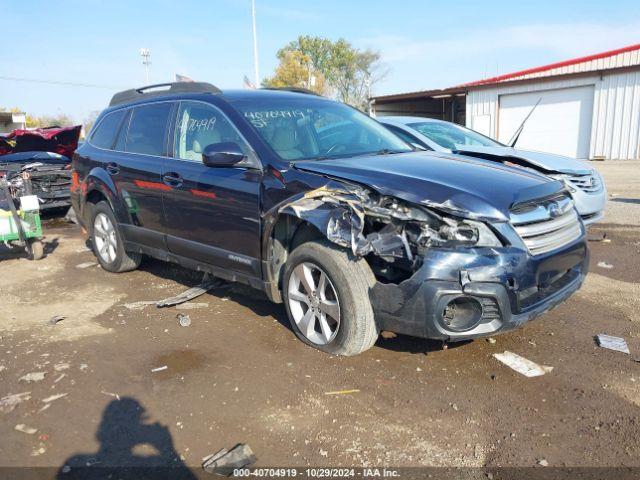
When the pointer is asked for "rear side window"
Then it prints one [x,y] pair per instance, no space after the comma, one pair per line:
[106,131]
[147,129]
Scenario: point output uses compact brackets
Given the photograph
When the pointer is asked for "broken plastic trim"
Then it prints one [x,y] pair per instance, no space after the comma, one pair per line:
[366,223]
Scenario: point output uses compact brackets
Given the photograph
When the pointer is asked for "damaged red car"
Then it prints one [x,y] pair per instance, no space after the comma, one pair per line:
[44,154]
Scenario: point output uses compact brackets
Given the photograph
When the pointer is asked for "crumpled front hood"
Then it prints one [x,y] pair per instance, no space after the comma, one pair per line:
[548,162]
[459,185]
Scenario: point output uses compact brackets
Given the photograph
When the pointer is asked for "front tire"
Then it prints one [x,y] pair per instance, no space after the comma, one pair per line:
[107,241]
[326,294]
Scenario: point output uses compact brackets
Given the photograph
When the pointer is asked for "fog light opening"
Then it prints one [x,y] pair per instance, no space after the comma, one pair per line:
[462,314]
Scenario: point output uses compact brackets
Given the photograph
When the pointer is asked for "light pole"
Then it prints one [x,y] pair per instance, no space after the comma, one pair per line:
[146,54]
[255,44]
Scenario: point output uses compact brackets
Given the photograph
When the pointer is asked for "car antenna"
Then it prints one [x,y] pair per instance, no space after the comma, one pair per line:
[516,136]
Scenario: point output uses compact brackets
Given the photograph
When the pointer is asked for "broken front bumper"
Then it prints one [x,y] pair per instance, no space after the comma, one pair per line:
[507,287]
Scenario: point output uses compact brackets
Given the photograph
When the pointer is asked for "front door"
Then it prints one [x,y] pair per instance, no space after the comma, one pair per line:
[211,213]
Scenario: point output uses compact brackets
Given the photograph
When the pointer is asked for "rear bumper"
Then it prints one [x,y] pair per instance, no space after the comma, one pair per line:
[509,285]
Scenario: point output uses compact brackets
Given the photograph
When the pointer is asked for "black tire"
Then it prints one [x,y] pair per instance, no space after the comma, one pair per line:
[35,250]
[124,261]
[351,279]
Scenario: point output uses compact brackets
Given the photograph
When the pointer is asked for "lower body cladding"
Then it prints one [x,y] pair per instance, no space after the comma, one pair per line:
[460,295]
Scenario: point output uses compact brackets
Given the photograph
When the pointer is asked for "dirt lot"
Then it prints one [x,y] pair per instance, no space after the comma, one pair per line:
[238,374]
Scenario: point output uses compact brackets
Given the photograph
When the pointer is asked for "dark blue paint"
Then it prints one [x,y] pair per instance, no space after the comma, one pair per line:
[237,208]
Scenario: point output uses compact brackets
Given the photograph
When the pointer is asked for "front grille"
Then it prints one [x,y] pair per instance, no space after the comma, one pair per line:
[548,225]
[589,183]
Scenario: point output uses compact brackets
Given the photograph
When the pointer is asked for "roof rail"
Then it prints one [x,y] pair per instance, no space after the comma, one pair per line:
[293,89]
[161,89]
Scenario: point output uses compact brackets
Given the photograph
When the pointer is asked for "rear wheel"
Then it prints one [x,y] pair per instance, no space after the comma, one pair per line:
[326,295]
[108,245]
[35,250]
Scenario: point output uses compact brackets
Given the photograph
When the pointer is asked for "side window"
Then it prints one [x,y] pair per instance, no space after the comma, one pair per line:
[199,125]
[121,141]
[147,129]
[105,133]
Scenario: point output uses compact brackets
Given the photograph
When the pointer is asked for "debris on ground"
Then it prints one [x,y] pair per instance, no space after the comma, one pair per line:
[610,342]
[62,375]
[226,461]
[117,397]
[53,398]
[183,320]
[597,238]
[58,367]
[86,265]
[139,305]
[606,265]
[342,392]
[192,306]
[159,369]
[386,334]
[522,365]
[55,319]
[21,427]
[491,340]
[8,403]
[32,377]
[206,285]
[71,216]
[543,463]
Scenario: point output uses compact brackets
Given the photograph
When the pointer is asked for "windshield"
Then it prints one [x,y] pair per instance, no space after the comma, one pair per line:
[313,128]
[452,136]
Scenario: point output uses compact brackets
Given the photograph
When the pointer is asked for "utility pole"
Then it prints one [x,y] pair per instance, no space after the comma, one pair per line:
[256,72]
[146,54]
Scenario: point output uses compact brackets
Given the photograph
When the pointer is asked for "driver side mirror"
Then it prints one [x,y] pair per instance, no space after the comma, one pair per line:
[223,154]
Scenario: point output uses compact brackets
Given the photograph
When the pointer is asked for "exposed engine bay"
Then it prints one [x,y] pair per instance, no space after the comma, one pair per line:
[390,233]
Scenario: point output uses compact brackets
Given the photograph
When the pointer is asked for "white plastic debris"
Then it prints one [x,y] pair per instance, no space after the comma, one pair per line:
[86,265]
[159,369]
[21,427]
[610,342]
[33,377]
[521,364]
[139,305]
[606,265]
[53,398]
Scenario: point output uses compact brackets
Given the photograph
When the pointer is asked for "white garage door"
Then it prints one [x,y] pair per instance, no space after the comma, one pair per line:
[560,124]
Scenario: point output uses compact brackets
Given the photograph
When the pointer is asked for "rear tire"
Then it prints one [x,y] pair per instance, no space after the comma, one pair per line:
[337,316]
[107,241]
[35,250]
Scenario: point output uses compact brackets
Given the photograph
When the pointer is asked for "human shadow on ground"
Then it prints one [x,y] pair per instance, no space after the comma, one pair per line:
[130,448]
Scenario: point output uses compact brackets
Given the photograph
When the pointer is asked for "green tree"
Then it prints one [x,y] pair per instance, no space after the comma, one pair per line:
[296,70]
[349,73]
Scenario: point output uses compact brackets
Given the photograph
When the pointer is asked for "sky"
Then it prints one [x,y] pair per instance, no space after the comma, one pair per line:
[424,44]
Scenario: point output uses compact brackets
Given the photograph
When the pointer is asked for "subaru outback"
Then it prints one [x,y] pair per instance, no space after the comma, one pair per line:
[325,210]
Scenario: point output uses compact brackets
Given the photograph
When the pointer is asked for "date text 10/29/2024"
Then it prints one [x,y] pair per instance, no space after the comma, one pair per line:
[316,473]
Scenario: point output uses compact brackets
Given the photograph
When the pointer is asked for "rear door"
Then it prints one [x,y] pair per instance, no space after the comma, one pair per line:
[212,213]
[137,173]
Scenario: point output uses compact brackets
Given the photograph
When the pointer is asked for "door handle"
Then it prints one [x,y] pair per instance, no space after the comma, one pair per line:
[172,179]
[112,168]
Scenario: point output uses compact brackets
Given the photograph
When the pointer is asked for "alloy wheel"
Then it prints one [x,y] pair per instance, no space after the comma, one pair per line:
[313,303]
[104,236]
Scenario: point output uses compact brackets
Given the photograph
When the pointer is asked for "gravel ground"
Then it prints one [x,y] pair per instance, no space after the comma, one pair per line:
[238,374]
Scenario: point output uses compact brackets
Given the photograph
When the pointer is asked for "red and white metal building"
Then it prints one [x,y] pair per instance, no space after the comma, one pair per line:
[589,107]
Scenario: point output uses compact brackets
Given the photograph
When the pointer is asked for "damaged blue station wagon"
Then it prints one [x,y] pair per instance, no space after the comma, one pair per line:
[327,211]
